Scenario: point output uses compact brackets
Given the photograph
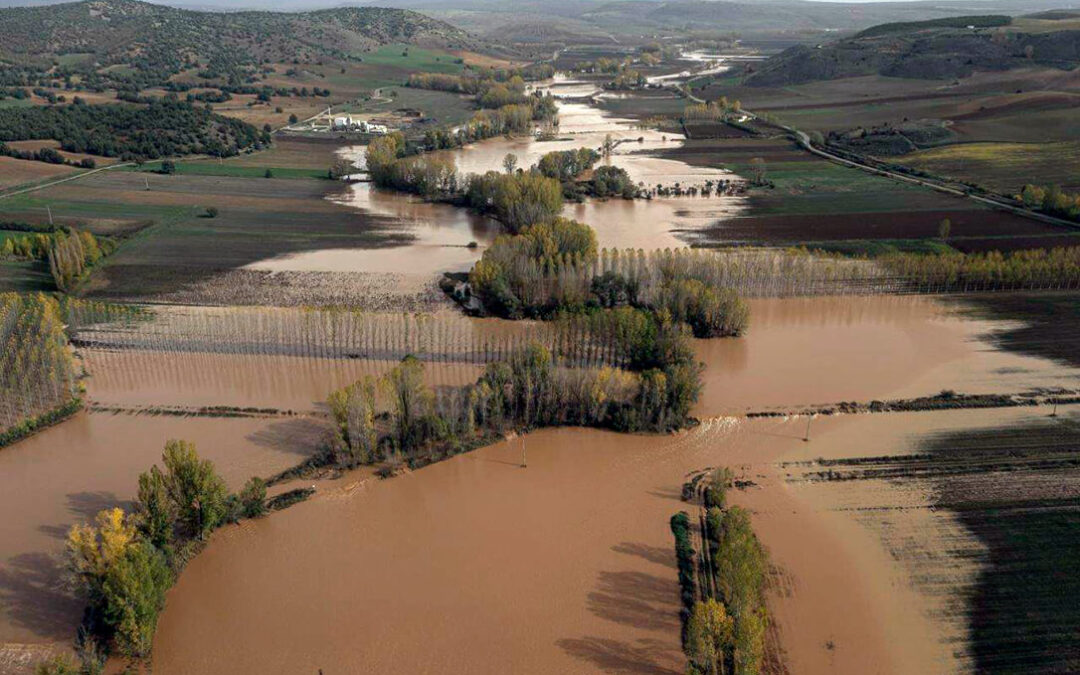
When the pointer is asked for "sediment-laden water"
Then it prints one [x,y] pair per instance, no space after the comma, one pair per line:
[442,233]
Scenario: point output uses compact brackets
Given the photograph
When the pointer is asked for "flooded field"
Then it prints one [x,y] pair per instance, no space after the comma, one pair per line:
[138,378]
[826,350]
[67,474]
[442,233]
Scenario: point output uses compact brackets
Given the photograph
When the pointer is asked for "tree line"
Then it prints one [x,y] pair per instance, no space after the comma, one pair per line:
[163,128]
[398,418]
[551,268]
[37,370]
[1051,199]
[47,155]
[1034,269]
[722,587]
[69,252]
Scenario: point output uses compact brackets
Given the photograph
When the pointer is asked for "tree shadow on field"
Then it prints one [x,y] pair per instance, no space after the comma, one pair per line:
[33,596]
[654,554]
[623,658]
[636,599]
[667,493]
[85,506]
[297,436]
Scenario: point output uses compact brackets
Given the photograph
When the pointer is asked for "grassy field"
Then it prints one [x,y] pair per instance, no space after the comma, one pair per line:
[444,107]
[413,59]
[227,168]
[25,276]
[1004,167]
[258,219]
[16,173]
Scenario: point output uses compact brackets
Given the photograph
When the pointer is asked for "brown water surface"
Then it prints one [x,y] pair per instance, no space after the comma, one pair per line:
[477,565]
[443,232]
[68,473]
[806,351]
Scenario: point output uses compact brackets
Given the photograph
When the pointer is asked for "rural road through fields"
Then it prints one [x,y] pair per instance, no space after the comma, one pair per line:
[803,140]
[42,186]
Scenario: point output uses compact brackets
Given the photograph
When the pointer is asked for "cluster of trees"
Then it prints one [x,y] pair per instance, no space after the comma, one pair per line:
[1052,200]
[124,563]
[515,199]
[626,78]
[479,83]
[399,417]
[69,252]
[566,165]
[73,252]
[165,127]
[37,370]
[713,110]
[47,155]
[1055,268]
[722,588]
[553,267]
[602,65]
[511,119]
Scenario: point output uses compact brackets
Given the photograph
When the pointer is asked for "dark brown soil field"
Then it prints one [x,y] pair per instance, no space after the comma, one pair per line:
[971,229]
[1014,490]
[1050,323]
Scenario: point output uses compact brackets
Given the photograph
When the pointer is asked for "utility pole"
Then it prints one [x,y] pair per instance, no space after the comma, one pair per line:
[1054,413]
[49,209]
[523,464]
[806,437]
[147,182]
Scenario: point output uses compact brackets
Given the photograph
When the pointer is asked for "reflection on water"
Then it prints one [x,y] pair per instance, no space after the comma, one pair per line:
[443,232]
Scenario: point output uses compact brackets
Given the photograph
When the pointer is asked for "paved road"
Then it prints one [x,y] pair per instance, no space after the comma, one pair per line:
[804,142]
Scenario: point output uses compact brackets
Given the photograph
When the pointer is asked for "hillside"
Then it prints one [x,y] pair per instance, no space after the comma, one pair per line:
[619,21]
[938,49]
[132,44]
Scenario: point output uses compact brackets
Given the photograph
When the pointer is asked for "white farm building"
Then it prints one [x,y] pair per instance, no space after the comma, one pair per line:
[349,123]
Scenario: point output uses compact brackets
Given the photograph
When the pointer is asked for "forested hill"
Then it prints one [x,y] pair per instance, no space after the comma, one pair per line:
[157,40]
[940,49]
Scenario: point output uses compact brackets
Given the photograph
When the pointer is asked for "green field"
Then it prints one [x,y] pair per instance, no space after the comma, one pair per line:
[25,276]
[1003,167]
[227,168]
[415,59]
[445,107]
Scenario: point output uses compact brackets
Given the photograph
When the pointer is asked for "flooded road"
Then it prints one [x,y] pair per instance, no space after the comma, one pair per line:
[444,232]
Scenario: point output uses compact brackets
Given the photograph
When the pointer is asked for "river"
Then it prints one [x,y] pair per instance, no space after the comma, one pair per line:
[443,233]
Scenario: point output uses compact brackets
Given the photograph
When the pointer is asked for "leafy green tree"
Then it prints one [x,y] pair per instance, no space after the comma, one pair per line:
[253,498]
[194,487]
[710,636]
[154,509]
[134,594]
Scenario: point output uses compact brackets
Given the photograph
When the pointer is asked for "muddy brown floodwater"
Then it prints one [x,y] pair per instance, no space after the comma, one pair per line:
[68,473]
[479,565]
[442,233]
[807,351]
